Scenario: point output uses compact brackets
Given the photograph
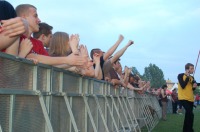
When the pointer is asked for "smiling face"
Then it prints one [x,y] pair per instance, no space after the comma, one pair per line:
[33,20]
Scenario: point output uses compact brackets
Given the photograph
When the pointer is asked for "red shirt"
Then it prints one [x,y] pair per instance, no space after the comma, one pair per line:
[38,47]
[3,50]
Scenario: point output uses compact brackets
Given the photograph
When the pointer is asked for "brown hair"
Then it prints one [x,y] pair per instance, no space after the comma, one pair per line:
[135,77]
[93,51]
[44,29]
[23,9]
[188,65]
[59,44]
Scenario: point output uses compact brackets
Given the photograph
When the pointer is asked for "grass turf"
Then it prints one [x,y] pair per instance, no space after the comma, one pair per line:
[174,122]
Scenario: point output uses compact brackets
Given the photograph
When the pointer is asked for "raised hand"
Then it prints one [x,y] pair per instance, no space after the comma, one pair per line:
[130,70]
[96,58]
[83,50]
[74,42]
[130,42]
[25,47]
[15,26]
[121,37]
[84,53]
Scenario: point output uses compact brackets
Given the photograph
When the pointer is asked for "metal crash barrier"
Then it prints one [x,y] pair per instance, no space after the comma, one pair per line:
[42,98]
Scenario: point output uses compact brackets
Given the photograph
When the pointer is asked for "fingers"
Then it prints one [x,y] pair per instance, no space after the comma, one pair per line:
[74,37]
[35,61]
[25,46]
[130,42]
[11,32]
[83,50]
[14,26]
[121,37]
[27,42]
[96,55]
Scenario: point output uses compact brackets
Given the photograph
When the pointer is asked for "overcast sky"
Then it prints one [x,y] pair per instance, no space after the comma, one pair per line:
[165,32]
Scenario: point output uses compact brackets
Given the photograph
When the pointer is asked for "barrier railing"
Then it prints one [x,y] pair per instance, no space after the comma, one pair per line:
[42,98]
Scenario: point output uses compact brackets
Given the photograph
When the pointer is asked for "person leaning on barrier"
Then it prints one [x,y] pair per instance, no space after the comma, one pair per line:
[134,82]
[29,12]
[105,55]
[44,34]
[186,85]
[113,61]
[63,45]
[12,27]
[115,75]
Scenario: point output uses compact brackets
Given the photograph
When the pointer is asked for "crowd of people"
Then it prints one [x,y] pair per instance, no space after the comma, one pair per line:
[23,34]
[181,98]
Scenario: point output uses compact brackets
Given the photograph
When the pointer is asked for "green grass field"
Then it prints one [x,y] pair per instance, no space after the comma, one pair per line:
[174,122]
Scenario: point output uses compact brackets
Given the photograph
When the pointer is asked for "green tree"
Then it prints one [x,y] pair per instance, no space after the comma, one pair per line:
[197,91]
[135,71]
[155,75]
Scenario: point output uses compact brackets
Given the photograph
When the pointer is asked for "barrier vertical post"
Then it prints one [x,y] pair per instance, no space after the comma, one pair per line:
[12,101]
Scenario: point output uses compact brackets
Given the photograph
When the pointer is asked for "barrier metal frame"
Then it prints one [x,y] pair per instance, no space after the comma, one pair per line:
[116,102]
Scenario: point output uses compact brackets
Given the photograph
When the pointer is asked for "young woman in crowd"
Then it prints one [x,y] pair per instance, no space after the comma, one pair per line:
[63,45]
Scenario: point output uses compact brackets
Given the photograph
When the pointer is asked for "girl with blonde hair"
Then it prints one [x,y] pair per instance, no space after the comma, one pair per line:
[63,45]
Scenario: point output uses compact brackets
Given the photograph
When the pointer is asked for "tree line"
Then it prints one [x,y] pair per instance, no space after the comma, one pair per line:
[153,74]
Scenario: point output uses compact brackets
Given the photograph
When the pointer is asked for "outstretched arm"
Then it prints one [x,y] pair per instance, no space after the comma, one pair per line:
[133,88]
[113,48]
[70,59]
[121,52]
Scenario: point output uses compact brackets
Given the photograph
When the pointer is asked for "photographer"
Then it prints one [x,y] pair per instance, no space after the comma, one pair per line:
[186,86]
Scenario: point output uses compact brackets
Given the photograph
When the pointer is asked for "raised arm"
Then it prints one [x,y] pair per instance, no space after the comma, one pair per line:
[181,81]
[113,48]
[87,69]
[98,70]
[74,43]
[121,52]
